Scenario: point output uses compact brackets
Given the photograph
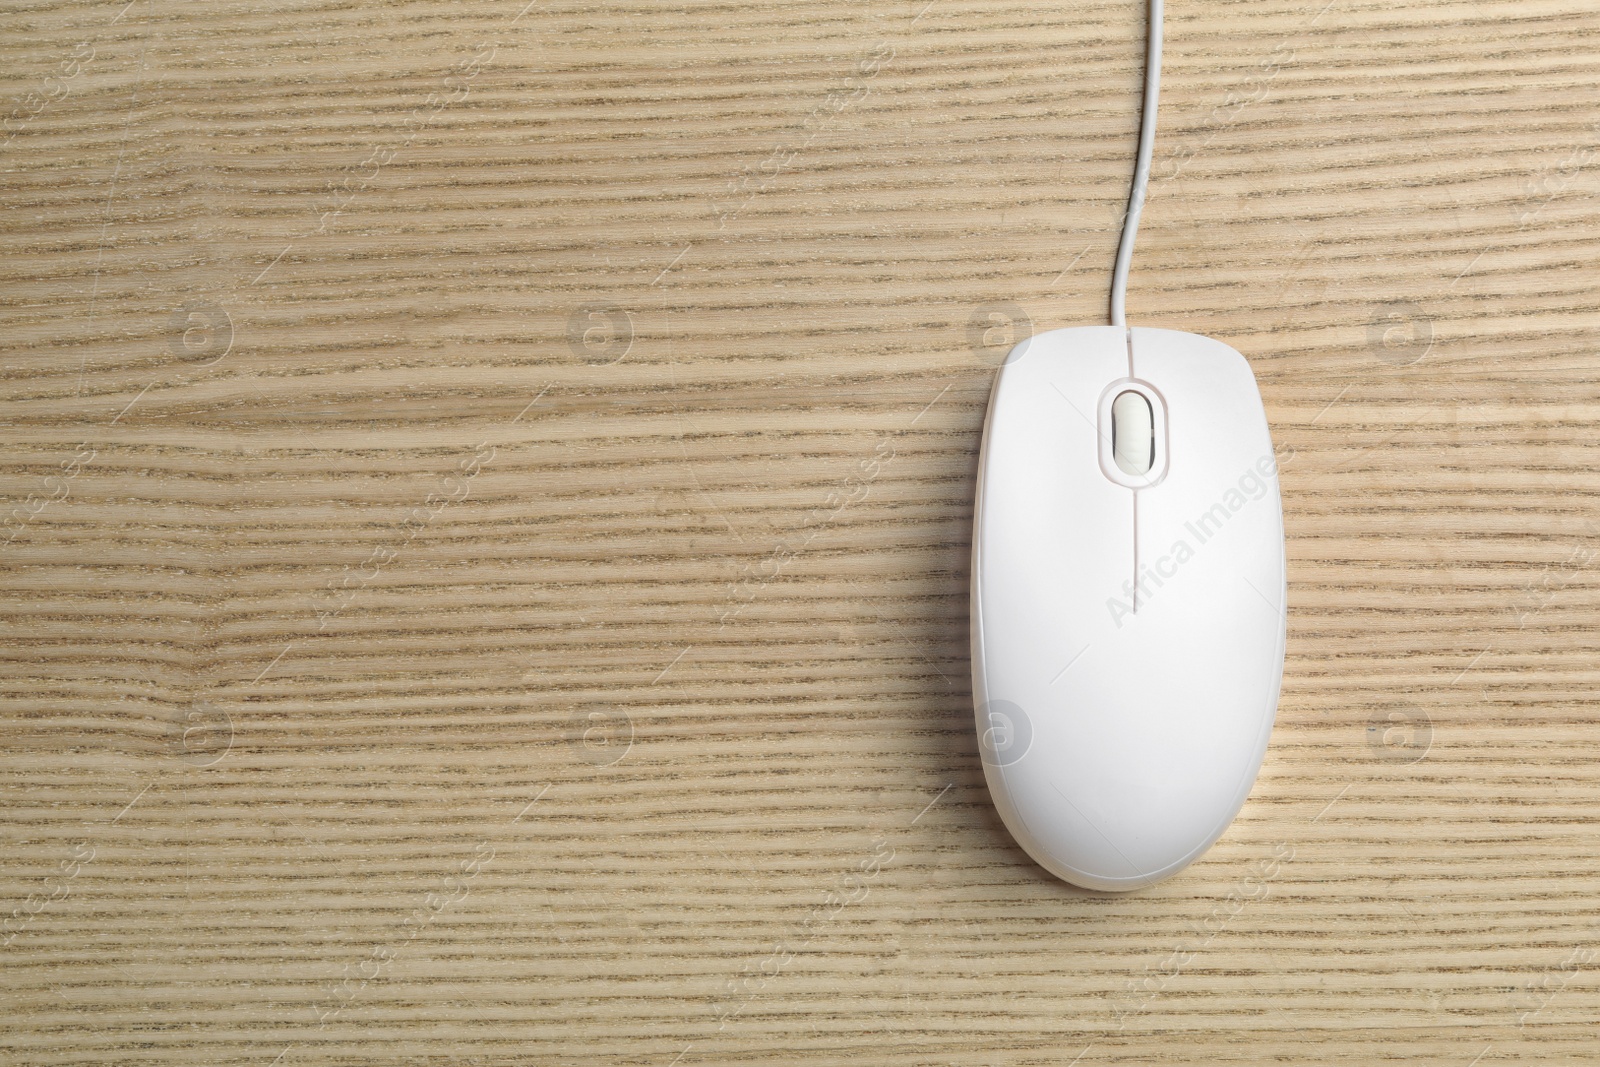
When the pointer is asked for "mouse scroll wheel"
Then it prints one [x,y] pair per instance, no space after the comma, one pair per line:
[1133,440]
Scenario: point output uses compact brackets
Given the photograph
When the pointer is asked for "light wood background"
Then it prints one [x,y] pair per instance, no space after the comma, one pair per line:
[489,486]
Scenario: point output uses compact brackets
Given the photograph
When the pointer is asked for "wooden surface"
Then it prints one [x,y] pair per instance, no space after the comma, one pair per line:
[489,486]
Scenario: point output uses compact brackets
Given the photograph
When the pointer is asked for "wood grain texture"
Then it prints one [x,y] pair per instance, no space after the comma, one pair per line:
[488,503]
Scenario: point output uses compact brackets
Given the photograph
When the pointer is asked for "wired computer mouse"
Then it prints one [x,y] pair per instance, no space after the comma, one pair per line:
[1128,591]
[1128,598]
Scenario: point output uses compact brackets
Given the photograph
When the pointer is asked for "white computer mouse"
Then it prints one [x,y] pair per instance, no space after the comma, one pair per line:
[1128,598]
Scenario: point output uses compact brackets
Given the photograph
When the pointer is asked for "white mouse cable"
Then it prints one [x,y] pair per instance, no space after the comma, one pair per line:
[1141,170]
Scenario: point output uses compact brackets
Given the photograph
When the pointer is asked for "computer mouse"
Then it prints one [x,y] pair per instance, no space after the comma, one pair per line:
[1128,598]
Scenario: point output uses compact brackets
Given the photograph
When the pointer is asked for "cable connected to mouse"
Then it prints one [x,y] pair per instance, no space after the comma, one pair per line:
[1141,169]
